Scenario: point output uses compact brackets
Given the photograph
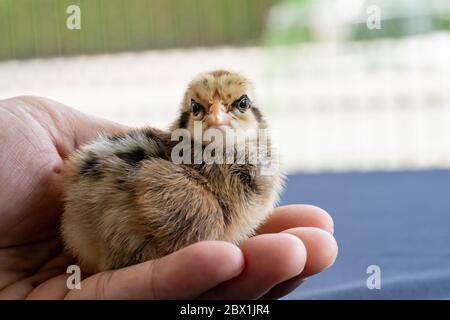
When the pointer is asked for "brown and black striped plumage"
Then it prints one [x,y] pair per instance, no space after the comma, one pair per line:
[126,201]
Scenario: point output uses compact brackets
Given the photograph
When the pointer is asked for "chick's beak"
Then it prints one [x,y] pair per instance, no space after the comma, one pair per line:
[217,115]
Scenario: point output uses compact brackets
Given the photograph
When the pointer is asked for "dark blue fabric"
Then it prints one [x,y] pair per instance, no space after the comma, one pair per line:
[399,221]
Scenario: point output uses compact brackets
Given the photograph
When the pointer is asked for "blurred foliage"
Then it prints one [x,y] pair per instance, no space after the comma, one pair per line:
[405,17]
[296,21]
[37,28]
[296,12]
[288,37]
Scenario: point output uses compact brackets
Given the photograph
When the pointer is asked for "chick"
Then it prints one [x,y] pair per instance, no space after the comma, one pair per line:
[128,201]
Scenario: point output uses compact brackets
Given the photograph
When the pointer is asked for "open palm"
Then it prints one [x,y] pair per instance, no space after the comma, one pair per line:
[37,134]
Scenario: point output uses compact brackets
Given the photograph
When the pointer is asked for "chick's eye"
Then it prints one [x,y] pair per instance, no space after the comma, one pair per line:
[243,103]
[195,108]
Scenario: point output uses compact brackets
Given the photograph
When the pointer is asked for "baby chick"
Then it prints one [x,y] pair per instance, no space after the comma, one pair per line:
[127,201]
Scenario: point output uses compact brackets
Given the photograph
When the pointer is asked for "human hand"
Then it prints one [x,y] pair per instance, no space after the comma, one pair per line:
[37,135]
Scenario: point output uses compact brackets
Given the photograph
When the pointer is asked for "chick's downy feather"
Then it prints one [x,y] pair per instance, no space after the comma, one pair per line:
[127,201]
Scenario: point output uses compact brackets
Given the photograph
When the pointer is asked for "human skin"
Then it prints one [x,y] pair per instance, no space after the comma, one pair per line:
[37,134]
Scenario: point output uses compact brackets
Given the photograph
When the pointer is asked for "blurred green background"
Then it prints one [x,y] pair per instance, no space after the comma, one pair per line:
[37,28]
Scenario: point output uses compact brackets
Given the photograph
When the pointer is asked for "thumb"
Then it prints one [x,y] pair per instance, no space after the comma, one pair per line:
[70,128]
[185,274]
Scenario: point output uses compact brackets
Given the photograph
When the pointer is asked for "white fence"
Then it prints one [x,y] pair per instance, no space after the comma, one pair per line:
[334,106]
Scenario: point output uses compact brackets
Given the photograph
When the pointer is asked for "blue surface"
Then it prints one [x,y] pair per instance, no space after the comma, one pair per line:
[399,221]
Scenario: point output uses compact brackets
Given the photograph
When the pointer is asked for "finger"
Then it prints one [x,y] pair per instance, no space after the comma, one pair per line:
[321,248]
[53,289]
[184,274]
[284,288]
[68,127]
[297,215]
[34,285]
[321,251]
[269,259]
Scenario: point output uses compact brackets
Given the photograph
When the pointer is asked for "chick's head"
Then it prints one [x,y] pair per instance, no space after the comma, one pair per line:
[220,100]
